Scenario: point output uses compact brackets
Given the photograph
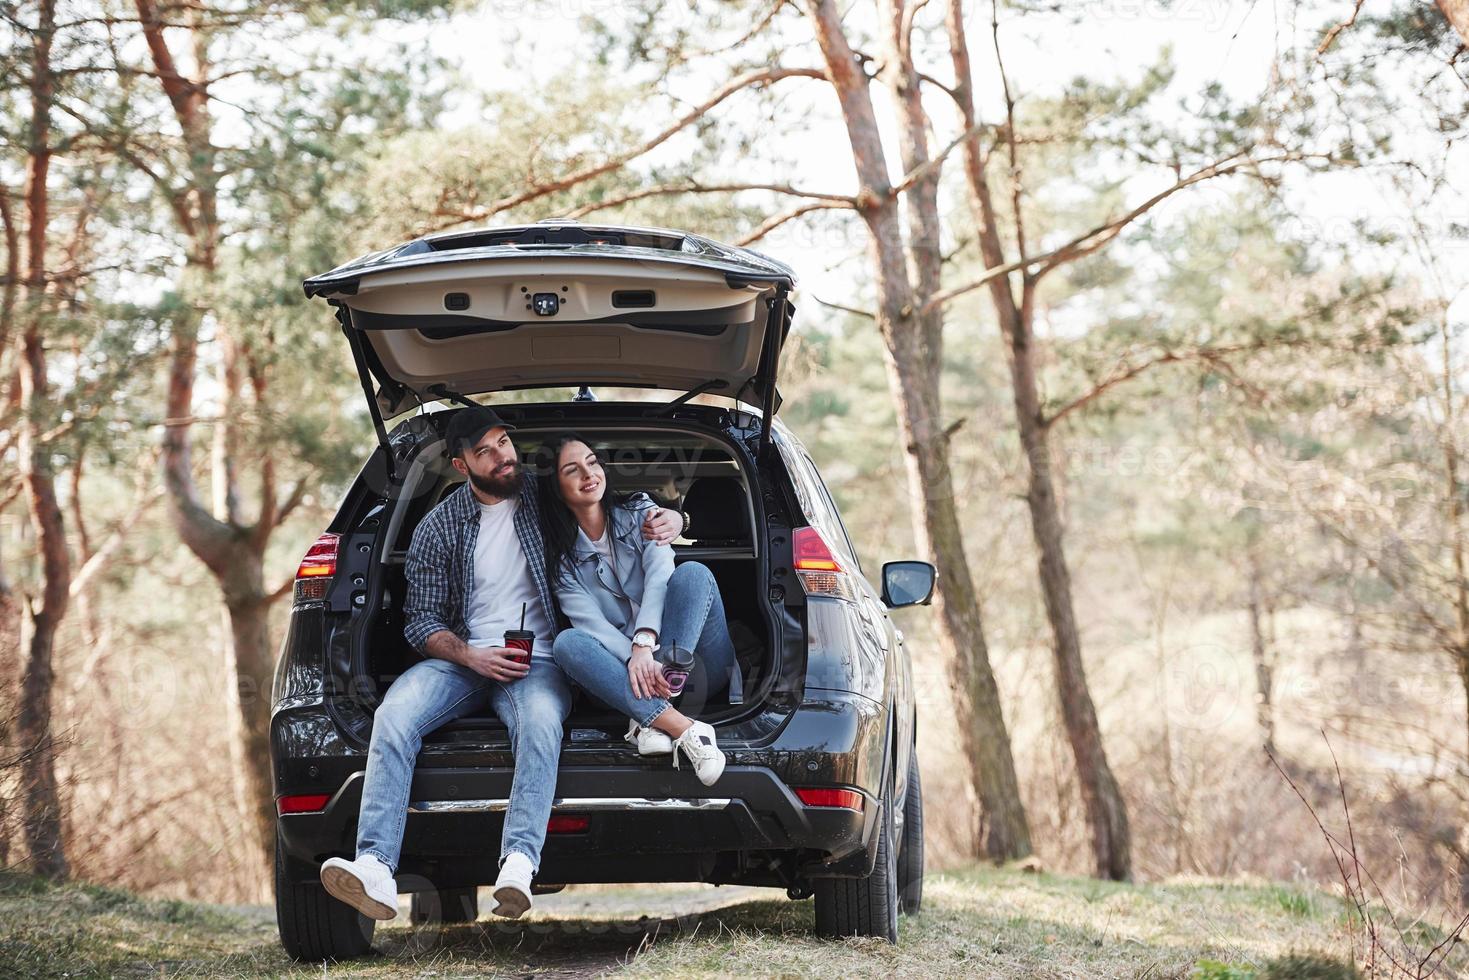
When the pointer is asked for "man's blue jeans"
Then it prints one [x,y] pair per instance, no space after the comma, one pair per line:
[693,617]
[433,692]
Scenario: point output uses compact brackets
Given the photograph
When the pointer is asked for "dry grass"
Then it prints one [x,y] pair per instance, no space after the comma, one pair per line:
[977,922]
[1008,924]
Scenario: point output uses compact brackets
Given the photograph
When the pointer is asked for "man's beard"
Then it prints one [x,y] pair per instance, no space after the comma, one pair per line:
[499,486]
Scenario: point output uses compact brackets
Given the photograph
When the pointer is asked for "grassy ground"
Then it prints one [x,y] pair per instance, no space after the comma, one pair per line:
[975,923]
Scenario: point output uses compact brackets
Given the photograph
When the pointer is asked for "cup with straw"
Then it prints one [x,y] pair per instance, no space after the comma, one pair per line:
[521,640]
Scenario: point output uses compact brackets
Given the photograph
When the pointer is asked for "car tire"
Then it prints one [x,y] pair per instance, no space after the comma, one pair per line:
[446,906]
[864,906]
[910,847]
[313,925]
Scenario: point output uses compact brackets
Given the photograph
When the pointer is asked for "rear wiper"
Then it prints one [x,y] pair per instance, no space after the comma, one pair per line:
[668,409]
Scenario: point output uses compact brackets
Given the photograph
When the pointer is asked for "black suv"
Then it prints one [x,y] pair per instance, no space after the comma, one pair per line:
[821,794]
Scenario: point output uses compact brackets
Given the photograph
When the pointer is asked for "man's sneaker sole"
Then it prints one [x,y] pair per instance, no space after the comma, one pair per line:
[344,886]
[511,902]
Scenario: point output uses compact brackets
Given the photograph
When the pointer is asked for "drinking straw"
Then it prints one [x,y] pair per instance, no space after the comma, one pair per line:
[522,616]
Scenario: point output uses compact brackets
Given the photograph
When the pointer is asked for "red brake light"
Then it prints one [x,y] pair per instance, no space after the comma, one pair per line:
[321,557]
[561,824]
[820,572]
[849,799]
[310,803]
[319,565]
[810,552]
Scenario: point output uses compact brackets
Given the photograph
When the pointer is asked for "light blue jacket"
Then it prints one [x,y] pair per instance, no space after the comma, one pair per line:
[598,599]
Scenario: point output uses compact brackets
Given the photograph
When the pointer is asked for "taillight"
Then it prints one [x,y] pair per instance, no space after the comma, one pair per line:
[314,574]
[820,572]
[310,803]
[562,824]
[846,798]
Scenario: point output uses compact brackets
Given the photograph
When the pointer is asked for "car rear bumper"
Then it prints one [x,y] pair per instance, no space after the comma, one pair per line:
[640,826]
[646,820]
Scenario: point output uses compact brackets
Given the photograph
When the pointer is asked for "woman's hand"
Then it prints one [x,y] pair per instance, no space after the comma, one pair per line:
[646,675]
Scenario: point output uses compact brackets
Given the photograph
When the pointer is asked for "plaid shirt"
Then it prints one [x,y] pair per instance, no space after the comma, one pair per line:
[440,563]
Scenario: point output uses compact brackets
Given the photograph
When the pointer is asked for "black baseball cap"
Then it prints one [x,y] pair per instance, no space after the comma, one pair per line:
[469,425]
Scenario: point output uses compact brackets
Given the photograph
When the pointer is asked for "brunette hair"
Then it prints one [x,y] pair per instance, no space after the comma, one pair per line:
[558,524]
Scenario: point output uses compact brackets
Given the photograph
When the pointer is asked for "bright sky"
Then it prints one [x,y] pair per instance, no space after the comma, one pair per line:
[524,45]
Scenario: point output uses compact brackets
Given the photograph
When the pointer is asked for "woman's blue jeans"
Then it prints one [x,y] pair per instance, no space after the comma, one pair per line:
[433,692]
[693,617]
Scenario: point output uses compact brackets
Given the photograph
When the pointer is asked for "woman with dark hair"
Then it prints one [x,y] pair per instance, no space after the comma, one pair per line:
[626,600]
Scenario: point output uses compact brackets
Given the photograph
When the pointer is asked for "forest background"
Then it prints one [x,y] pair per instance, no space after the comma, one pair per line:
[1144,320]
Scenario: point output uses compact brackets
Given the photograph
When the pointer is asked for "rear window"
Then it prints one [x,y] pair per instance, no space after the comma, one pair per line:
[663,463]
[816,501]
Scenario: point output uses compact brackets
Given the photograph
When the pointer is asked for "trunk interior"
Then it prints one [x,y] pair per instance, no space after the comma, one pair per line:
[694,472]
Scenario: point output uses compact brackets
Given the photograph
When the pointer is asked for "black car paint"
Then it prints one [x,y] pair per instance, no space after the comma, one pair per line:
[838,713]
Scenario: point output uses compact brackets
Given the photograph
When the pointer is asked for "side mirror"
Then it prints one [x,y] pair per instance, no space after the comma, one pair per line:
[907,583]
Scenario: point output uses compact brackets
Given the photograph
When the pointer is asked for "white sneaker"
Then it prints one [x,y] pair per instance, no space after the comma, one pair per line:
[366,884]
[512,888]
[650,741]
[698,744]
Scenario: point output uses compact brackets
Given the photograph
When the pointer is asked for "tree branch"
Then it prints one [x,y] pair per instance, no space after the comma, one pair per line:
[926,168]
[1330,38]
[868,314]
[693,187]
[1125,372]
[94,564]
[1091,241]
[776,220]
[280,591]
[764,76]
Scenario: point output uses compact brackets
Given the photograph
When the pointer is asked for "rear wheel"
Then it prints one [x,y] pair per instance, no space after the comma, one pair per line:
[910,846]
[446,906]
[312,924]
[864,906]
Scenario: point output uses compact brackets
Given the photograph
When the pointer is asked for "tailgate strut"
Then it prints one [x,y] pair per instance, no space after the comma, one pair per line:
[776,324]
[364,375]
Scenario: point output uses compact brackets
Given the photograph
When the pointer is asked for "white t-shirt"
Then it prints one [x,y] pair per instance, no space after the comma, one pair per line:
[502,583]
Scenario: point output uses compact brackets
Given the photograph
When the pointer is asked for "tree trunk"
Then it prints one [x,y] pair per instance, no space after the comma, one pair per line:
[1456,12]
[913,359]
[234,555]
[1106,812]
[231,550]
[248,669]
[1261,654]
[1458,541]
[1006,834]
[41,796]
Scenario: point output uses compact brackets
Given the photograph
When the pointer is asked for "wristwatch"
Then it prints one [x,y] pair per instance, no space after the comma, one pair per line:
[686,523]
[645,638]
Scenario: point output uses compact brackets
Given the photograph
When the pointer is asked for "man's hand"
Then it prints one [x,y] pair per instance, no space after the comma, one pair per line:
[662,525]
[496,663]
[646,675]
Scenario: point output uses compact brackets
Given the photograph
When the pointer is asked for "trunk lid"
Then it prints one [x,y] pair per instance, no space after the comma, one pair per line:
[561,304]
